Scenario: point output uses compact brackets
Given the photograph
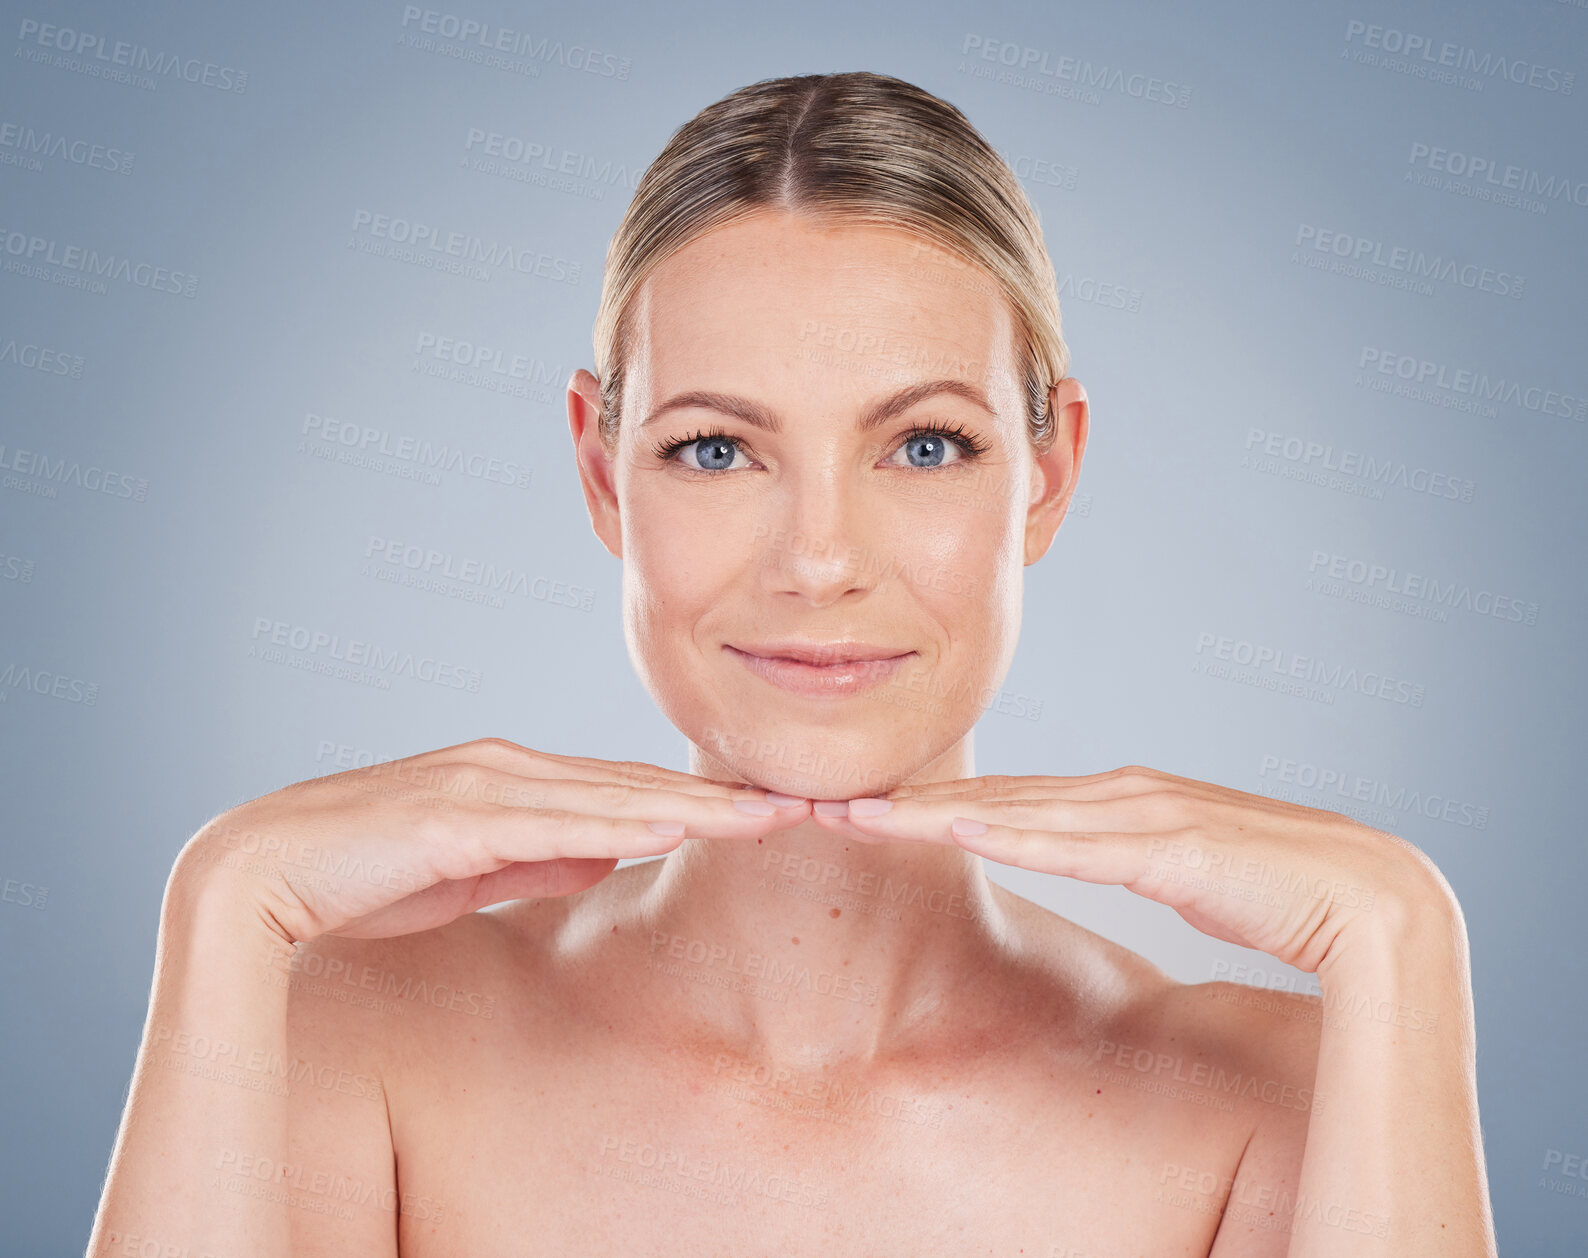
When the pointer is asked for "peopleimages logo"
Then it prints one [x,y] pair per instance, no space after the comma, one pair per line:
[1429,54]
[315,649]
[1357,579]
[410,457]
[42,681]
[29,254]
[480,38]
[68,471]
[1330,674]
[441,572]
[1322,456]
[426,244]
[35,357]
[545,159]
[1331,784]
[515,365]
[1035,65]
[1421,376]
[1523,180]
[1363,251]
[22,145]
[100,57]
[489,368]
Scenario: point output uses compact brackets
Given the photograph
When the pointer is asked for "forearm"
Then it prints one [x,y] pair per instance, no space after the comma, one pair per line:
[207,1088]
[1394,1160]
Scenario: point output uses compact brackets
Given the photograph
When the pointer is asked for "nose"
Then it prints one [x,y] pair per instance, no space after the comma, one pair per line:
[820,549]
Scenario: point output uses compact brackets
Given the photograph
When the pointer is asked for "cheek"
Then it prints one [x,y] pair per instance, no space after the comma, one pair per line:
[964,558]
[678,555]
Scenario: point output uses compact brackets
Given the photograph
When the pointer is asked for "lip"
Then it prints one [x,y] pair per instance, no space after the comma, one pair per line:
[820,669]
[838,651]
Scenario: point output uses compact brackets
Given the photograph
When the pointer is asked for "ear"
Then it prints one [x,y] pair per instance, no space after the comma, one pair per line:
[596,465]
[1054,476]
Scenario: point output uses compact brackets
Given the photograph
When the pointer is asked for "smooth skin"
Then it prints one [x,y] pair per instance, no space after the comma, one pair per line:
[821,1029]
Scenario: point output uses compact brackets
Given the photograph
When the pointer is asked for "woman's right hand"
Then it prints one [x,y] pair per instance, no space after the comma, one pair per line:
[412,844]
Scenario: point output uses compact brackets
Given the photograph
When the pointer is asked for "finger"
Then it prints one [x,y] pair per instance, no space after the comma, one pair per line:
[1022,788]
[1100,857]
[747,814]
[704,816]
[1115,784]
[928,819]
[534,880]
[640,774]
[512,758]
[506,835]
[839,826]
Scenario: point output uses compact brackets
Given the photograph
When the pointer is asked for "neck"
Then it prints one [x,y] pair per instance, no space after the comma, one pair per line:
[812,948]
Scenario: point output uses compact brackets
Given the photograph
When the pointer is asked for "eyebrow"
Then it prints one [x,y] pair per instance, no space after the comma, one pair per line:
[878,413]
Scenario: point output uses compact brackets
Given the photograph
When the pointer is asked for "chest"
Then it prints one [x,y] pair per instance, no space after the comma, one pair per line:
[608,1149]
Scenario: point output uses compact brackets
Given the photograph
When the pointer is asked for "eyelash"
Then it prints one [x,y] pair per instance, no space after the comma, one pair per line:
[971,445]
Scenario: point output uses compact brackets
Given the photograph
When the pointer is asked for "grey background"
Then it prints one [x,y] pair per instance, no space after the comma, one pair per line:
[1193,322]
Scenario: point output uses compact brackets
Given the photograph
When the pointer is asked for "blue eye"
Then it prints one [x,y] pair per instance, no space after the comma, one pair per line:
[925,449]
[714,452]
[930,447]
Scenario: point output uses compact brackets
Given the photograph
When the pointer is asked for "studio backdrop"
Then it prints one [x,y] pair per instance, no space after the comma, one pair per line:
[292,292]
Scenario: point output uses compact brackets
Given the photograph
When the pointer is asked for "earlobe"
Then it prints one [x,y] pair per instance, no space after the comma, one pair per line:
[594,462]
[1055,472]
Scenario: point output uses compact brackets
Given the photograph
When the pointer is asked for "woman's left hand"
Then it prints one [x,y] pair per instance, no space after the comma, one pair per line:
[1262,873]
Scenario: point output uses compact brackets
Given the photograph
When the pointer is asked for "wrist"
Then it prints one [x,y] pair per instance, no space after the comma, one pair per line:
[1402,967]
[226,902]
[211,1004]
[1399,934]
[1413,908]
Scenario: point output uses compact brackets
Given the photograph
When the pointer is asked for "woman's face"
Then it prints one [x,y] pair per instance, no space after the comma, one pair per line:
[823,454]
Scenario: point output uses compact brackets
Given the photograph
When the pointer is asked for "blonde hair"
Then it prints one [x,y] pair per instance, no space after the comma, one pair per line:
[859,146]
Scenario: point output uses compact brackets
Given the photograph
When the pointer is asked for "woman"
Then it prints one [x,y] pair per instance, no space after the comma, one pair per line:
[832,425]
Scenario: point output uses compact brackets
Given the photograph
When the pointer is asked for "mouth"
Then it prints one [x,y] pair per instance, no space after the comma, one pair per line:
[821,670]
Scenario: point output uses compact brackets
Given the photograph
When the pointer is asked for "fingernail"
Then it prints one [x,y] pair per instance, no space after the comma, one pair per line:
[755,807]
[672,829]
[830,808]
[784,801]
[869,807]
[966,827]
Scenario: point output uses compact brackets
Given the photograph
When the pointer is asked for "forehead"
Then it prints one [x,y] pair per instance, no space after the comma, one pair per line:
[837,311]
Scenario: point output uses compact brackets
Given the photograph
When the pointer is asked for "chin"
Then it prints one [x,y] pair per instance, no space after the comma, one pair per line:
[816,763]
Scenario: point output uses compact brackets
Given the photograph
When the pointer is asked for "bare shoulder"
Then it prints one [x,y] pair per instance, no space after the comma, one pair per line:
[1279,1027]
[384,999]
[1104,977]
[360,1013]
[1139,1019]
[1256,1050]
[397,1003]
[371,1025]
[1259,1049]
